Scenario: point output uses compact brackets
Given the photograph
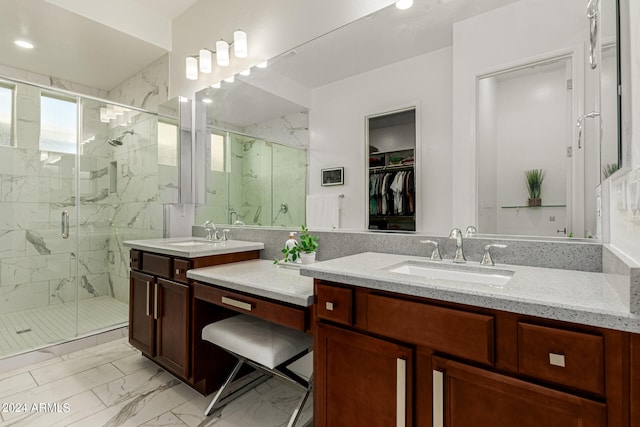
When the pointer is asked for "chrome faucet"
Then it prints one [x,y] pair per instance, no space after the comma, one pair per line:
[212,231]
[457,235]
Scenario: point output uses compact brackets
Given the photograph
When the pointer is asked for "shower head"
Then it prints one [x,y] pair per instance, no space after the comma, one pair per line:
[117,142]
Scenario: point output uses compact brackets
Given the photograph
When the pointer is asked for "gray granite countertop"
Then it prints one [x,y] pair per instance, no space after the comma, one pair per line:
[596,299]
[193,247]
[259,277]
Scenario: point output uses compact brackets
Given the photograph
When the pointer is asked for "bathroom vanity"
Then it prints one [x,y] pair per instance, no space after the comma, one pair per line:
[160,299]
[549,347]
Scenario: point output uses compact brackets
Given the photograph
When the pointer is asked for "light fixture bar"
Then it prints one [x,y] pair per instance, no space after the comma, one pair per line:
[192,68]
[222,53]
[240,47]
[206,64]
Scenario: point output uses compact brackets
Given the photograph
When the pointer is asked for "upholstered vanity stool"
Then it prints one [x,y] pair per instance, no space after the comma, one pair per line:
[267,346]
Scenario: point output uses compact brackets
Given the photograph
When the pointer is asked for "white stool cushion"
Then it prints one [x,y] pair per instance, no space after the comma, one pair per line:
[263,342]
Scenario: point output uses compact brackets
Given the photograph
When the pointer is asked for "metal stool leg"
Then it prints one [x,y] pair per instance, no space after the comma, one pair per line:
[228,381]
[298,411]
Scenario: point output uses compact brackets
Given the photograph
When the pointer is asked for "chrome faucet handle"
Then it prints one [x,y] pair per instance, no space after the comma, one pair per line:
[435,255]
[471,231]
[486,257]
[225,234]
[456,235]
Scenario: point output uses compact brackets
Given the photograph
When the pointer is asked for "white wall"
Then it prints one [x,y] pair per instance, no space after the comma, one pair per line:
[337,124]
[479,47]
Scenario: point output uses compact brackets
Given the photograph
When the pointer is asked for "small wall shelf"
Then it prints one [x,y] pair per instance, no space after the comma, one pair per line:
[533,207]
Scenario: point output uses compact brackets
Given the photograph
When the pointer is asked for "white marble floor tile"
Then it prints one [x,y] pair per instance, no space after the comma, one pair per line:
[167,419]
[78,406]
[16,384]
[120,387]
[81,361]
[133,363]
[62,389]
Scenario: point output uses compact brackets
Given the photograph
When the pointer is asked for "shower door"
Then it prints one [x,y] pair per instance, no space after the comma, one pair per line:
[63,271]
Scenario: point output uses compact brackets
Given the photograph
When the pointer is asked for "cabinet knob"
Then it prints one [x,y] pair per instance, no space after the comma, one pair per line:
[556,359]
[329,306]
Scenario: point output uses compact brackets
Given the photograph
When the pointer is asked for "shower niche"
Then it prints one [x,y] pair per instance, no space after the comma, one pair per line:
[391,148]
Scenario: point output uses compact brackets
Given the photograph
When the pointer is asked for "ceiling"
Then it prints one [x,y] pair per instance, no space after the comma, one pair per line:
[72,47]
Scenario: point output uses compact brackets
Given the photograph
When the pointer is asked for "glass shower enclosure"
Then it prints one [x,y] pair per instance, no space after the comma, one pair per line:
[78,175]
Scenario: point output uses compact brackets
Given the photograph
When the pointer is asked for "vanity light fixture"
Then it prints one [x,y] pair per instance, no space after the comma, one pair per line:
[205,62]
[25,44]
[263,64]
[240,47]
[230,79]
[404,4]
[222,53]
[192,68]
[217,85]
[246,72]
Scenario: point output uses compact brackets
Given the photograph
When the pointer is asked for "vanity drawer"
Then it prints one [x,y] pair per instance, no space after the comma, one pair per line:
[135,260]
[273,311]
[180,267]
[157,264]
[334,303]
[574,359]
[454,332]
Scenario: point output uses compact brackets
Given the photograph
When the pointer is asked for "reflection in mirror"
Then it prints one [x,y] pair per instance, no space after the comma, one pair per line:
[174,150]
[254,164]
[526,119]
[433,55]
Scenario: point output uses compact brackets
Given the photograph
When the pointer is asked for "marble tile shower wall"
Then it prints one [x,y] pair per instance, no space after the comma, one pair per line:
[289,186]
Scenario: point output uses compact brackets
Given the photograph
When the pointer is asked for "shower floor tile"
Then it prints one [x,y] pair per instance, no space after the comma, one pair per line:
[39,327]
[114,385]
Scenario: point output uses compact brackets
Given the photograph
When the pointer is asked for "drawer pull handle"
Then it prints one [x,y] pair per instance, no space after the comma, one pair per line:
[177,271]
[148,302]
[556,359]
[401,392]
[329,306]
[235,303]
[438,399]
[155,303]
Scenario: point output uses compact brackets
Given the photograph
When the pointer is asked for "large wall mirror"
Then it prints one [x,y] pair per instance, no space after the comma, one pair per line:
[499,88]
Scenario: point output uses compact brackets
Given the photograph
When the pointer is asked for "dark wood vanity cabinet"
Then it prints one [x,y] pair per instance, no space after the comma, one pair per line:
[160,307]
[465,366]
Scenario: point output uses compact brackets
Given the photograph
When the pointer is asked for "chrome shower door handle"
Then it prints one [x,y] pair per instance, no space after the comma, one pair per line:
[64,225]
[593,14]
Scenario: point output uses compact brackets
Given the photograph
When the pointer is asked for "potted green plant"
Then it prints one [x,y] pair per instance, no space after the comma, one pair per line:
[534,178]
[305,250]
[609,169]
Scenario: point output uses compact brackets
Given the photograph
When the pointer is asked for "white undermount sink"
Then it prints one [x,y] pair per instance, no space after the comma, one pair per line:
[454,272]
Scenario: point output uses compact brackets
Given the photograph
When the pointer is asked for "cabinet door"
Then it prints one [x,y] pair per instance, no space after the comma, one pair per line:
[360,380]
[171,310]
[465,396]
[140,314]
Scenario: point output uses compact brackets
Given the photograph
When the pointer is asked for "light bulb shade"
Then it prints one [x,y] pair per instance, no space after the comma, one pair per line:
[404,4]
[263,64]
[205,61]
[222,53]
[246,72]
[240,47]
[230,79]
[192,68]
[217,85]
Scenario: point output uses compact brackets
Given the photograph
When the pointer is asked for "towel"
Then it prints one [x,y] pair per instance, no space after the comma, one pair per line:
[323,212]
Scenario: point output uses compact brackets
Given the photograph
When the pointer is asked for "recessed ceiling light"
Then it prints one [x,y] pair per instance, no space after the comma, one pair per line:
[24,44]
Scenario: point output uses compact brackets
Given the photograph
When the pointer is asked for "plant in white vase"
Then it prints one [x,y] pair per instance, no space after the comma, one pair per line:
[305,250]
